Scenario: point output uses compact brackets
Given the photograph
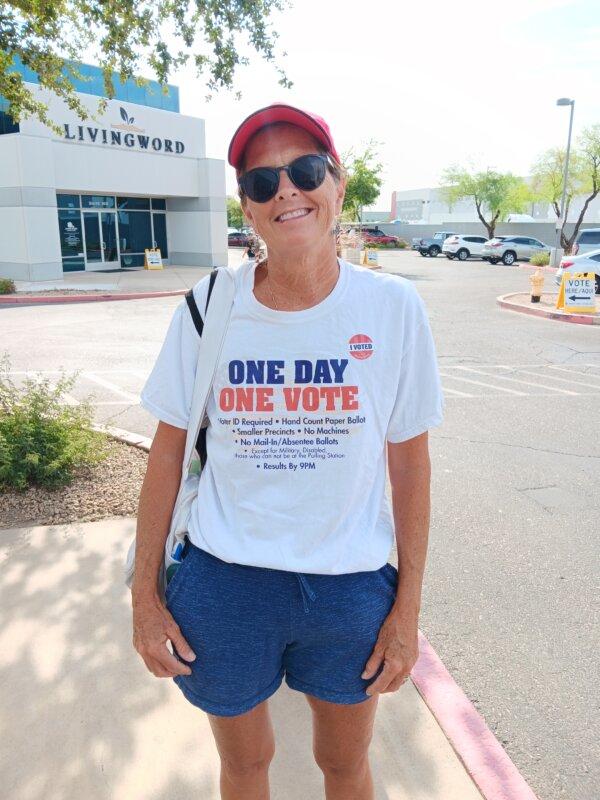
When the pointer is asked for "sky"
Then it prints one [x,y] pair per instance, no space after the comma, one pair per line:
[434,83]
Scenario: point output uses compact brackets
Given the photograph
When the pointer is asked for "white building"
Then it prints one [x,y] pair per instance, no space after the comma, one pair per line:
[95,197]
[426,207]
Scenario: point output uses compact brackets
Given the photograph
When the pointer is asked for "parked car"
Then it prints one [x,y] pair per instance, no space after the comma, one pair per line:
[433,246]
[463,246]
[509,249]
[585,262]
[238,239]
[377,236]
[415,243]
[586,241]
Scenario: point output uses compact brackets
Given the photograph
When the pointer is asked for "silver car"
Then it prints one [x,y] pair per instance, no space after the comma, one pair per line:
[587,240]
[509,249]
[584,262]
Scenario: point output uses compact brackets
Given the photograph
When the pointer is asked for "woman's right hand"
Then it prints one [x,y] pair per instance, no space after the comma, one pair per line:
[153,625]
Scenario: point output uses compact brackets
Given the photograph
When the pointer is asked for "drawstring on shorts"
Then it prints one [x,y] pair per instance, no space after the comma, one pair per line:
[305,590]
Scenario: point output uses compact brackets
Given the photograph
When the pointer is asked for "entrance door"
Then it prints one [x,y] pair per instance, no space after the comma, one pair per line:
[101,246]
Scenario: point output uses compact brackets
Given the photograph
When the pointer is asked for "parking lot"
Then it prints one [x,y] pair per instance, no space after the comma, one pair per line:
[509,602]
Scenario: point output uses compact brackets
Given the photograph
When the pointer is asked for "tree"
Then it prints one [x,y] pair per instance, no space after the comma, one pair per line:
[52,37]
[495,194]
[235,215]
[363,184]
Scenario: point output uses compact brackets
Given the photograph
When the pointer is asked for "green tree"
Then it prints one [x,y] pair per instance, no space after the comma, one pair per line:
[52,37]
[235,216]
[495,194]
[364,181]
[583,179]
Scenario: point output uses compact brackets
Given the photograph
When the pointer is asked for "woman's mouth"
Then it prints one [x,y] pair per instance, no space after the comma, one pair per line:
[295,214]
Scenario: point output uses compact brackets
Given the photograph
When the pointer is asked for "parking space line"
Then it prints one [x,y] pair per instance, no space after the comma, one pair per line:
[481,383]
[113,387]
[516,380]
[565,380]
[457,392]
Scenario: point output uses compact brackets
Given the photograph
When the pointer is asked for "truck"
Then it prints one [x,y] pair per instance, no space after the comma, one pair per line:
[433,246]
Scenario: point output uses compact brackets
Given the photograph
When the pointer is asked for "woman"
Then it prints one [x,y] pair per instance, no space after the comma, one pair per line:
[285,571]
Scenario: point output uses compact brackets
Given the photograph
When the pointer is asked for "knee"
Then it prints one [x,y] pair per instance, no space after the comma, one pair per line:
[245,768]
[342,766]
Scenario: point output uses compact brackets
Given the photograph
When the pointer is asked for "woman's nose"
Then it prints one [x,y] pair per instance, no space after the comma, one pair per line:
[286,187]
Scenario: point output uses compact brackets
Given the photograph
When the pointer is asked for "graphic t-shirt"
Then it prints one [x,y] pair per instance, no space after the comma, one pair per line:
[302,405]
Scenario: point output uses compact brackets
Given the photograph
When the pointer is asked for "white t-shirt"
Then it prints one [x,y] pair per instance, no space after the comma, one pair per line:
[302,405]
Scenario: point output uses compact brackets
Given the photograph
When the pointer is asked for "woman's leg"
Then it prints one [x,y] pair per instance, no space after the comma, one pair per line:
[246,746]
[341,738]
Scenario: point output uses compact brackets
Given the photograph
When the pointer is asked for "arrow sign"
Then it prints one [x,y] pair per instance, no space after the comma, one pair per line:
[575,297]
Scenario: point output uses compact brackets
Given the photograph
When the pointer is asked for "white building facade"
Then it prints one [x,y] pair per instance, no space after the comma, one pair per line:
[96,196]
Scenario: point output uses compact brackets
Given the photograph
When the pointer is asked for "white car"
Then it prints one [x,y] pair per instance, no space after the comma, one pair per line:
[463,246]
[586,262]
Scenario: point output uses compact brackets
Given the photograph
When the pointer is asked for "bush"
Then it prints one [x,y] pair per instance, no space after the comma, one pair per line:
[540,259]
[7,286]
[43,441]
[390,246]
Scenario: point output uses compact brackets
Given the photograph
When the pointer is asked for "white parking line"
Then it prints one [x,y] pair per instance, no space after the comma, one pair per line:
[481,383]
[131,398]
[516,380]
[564,380]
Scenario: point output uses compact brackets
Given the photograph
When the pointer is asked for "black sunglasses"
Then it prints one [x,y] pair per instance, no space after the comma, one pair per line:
[306,172]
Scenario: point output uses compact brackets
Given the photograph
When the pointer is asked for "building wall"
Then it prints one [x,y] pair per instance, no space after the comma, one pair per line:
[36,163]
[544,231]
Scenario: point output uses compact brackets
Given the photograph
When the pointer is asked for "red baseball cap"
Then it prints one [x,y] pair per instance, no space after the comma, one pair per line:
[279,112]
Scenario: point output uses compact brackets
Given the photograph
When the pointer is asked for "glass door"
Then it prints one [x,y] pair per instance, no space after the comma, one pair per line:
[109,239]
[101,244]
[93,246]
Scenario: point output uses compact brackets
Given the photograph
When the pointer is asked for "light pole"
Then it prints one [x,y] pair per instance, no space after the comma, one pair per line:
[564,101]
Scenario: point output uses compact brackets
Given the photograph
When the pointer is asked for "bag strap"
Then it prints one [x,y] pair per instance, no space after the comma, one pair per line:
[210,346]
[193,306]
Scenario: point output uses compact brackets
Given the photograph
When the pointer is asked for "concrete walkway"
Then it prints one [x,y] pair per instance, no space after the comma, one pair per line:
[83,717]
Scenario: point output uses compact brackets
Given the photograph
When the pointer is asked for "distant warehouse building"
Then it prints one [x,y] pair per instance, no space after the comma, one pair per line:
[95,197]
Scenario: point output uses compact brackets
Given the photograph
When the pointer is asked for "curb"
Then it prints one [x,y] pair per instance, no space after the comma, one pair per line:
[83,298]
[476,747]
[544,269]
[504,301]
[481,754]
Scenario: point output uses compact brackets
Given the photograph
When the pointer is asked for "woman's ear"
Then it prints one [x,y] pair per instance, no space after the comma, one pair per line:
[340,194]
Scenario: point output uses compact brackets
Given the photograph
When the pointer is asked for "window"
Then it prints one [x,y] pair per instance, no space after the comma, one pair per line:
[7,124]
[67,200]
[134,203]
[158,204]
[596,257]
[97,201]
[535,243]
[589,237]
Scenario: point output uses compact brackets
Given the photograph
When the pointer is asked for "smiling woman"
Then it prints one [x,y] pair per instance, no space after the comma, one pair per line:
[323,364]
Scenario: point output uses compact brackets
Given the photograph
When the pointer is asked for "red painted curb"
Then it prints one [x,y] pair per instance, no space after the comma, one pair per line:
[83,298]
[578,319]
[482,755]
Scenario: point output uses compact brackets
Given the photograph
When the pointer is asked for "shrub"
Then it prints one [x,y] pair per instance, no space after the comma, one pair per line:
[42,440]
[7,286]
[540,259]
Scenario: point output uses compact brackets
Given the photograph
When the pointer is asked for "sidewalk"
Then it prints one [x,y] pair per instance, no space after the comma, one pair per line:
[85,718]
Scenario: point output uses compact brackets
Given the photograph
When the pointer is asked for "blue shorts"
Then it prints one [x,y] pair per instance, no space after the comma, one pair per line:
[249,626]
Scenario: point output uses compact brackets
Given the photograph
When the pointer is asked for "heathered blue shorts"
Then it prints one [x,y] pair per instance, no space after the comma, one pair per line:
[249,626]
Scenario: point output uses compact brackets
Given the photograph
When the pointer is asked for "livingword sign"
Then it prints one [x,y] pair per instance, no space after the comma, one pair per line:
[124,134]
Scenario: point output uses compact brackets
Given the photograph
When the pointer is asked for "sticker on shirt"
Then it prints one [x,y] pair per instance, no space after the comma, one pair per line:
[289,415]
[361,346]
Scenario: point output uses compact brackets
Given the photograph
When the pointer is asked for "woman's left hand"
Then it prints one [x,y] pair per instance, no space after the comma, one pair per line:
[397,647]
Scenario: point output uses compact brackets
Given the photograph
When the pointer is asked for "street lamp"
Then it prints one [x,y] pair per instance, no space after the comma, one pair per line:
[564,101]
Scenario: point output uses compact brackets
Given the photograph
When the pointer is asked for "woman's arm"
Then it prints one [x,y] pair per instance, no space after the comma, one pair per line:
[409,468]
[155,508]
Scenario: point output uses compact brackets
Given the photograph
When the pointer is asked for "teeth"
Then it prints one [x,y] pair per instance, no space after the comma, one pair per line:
[301,212]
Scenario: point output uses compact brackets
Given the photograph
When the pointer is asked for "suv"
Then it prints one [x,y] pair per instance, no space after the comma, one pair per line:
[461,247]
[433,247]
[587,240]
[510,248]
[377,236]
